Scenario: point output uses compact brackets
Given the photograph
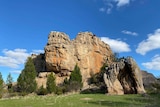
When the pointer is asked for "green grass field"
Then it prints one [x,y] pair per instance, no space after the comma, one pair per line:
[82,100]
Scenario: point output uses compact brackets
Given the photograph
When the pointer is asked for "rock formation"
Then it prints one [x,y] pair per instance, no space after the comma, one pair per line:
[62,54]
[123,77]
[90,53]
[148,80]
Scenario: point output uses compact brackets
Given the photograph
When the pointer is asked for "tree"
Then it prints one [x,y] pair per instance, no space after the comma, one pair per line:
[9,82]
[75,81]
[76,75]
[42,91]
[1,85]
[26,80]
[115,57]
[51,85]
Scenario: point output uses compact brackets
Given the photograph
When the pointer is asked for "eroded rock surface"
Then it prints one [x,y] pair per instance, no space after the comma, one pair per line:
[87,50]
[123,77]
[90,53]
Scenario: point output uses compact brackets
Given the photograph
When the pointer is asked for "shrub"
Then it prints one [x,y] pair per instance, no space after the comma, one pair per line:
[60,90]
[51,85]
[74,83]
[42,91]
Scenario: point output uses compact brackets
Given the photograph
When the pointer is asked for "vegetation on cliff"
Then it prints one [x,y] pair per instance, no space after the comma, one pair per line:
[51,85]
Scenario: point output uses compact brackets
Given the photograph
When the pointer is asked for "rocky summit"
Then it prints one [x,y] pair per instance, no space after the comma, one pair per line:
[90,53]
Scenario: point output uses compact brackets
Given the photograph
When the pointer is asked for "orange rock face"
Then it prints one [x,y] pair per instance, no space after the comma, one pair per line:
[87,50]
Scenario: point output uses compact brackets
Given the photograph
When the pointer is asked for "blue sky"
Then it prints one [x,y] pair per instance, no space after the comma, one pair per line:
[130,27]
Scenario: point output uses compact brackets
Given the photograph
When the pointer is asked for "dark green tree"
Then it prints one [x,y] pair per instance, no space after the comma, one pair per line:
[9,82]
[51,85]
[76,75]
[26,80]
[75,81]
[1,85]
[42,91]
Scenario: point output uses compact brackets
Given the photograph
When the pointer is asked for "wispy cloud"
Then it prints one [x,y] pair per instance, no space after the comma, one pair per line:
[154,64]
[129,33]
[106,8]
[151,43]
[14,58]
[15,71]
[110,4]
[37,51]
[121,3]
[116,45]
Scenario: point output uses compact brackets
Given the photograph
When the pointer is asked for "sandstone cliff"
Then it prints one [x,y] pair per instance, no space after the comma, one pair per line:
[62,54]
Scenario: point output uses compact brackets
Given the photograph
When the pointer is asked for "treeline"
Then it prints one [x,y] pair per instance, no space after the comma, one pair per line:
[8,84]
[26,82]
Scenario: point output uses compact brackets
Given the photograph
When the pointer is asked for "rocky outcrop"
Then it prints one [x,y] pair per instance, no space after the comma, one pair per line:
[39,62]
[148,79]
[90,53]
[123,77]
[62,54]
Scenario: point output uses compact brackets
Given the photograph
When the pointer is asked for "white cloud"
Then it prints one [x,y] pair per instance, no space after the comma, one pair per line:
[154,64]
[16,71]
[109,5]
[122,2]
[116,45]
[107,8]
[8,61]
[37,51]
[14,58]
[151,43]
[19,55]
[129,33]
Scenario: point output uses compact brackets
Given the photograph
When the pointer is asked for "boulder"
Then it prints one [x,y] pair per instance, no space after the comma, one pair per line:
[123,77]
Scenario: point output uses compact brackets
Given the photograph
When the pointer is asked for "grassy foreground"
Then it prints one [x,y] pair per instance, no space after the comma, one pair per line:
[83,100]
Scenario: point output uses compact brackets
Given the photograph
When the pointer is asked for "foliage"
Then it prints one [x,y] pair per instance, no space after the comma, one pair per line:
[60,90]
[76,75]
[26,80]
[9,82]
[51,85]
[1,85]
[115,57]
[42,91]
[75,80]
[74,83]
[156,87]
[97,79]
[66,81]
